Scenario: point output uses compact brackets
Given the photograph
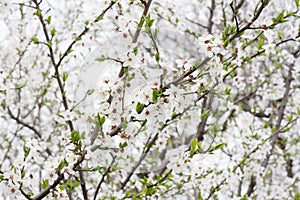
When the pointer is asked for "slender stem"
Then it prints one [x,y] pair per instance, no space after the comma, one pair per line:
[142,20]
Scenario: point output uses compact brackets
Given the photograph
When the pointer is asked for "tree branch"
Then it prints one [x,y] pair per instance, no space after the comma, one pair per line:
[142,20]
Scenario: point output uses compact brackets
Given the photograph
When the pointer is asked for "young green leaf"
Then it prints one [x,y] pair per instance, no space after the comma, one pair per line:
[75,136]
[48,20]
[196,147]
[280,35]
[53,32]
[35,40]
[139,107]
[155,95]
[45,183]
[227,91]
[65,76]
[260,44]
[61,165]
[218,146]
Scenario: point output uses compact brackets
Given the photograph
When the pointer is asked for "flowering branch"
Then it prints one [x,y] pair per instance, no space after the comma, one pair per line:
[142,20]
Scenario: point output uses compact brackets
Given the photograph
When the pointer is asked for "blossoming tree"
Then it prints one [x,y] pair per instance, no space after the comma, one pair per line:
[145,99]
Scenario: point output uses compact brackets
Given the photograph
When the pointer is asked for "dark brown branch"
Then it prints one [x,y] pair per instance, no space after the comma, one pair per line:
[105,11]
[103,176]
[252,184]
[86,29]
[151,141]
[19,121]
[61,85]
[215,189]
[54,64]
[198,24]
[289,167]
[138,163]
[83,186]
[255,17]
[283,103]
[201,126]
[179,79]
[210,19]
[142,20]
[234,11]
[45,192]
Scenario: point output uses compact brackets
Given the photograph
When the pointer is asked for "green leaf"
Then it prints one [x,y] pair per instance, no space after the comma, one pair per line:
[233,30]
[149,22]
[78,39]
[100,120]
[297,2]
[280,35]
[49,43]
[48,20]
[70,51]
[227,29]
[196,64]
[45,183]
[53,32]
[226,43]
[204,114]
[290,14]
[244,197]
[218,146]
[290,118]
[124,124]
[61,187]
[227,91]
[65,76]
[266,125]
[76,184]
[200,196]
[240,34]
[100,17]
[3,104]
[100,59]
[196,147]
[174,114]
[70,185]
[90,91]
[61,165]
[35,40]
[144,123]
[38,13]
[75,136]
[157,57]
[155,95]
[26,151]
[260,44]
[135,50]
[139,107]
[281,15]
[123,144]
[20,86]
[297,196]
[279,18]
[202,88]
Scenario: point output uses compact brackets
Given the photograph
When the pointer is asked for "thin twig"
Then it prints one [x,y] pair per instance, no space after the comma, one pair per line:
[142,20]
[103,176]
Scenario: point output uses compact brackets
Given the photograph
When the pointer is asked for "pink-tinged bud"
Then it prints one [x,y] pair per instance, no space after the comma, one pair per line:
[264,27]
